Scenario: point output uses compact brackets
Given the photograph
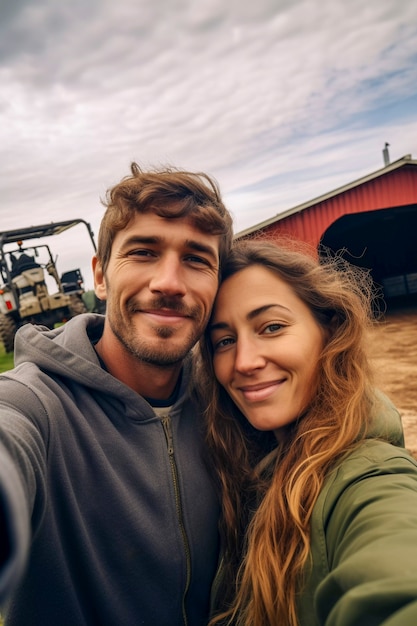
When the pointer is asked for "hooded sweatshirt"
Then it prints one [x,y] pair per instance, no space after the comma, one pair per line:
[107,511]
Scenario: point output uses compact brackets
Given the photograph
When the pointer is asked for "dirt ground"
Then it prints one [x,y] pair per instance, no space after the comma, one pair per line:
[394,350]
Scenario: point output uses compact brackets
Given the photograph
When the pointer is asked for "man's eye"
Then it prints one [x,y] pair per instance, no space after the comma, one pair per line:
[197,259]
[140,252]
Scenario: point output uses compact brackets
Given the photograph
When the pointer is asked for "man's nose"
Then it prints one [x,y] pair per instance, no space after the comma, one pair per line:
[168,277]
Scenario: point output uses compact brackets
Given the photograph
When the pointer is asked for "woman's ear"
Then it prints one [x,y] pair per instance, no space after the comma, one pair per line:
[99,279]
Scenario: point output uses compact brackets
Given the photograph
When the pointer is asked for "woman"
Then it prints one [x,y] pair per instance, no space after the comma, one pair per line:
[319,507]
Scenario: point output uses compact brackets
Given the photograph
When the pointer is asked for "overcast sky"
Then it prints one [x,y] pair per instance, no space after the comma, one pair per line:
[279,100]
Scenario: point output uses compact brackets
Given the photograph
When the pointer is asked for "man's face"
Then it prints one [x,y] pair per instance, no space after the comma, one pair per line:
[160,286]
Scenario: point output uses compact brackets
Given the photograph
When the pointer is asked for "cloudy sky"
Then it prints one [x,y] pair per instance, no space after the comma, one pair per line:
[279,100]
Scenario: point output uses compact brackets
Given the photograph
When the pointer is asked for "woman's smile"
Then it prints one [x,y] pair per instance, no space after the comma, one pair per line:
[261,391]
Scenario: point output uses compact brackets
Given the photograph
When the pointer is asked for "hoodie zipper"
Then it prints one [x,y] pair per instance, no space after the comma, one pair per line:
[166,423]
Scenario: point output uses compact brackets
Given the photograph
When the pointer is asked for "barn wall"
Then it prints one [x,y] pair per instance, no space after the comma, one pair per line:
[396,188]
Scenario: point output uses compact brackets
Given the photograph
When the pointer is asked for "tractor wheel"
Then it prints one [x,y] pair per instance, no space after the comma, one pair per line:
[77,305]
[7,332]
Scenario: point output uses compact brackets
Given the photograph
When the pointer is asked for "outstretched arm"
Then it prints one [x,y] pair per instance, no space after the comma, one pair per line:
[22,454]
[368,523]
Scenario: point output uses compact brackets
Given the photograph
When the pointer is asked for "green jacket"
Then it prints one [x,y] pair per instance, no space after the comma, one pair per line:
[364,541]
[363,568]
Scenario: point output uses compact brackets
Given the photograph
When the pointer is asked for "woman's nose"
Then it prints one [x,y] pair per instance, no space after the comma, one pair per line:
[248,356]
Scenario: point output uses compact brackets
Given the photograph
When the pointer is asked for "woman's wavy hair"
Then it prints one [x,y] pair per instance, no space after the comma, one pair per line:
[267,506]
[170,193]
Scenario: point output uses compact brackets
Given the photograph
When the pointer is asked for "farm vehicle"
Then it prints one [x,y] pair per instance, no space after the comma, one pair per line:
[24,293]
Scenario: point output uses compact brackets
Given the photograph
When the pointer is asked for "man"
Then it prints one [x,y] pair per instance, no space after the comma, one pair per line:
[107,511]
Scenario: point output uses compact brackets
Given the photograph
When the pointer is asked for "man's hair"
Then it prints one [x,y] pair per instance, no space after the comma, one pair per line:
[276,549]
[169,193]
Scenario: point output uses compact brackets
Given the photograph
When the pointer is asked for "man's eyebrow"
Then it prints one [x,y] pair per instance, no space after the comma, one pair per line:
[192,244]
[137,239]
[250,316]
[204,248]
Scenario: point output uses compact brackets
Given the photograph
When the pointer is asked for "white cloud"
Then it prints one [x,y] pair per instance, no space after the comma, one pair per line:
[279,100]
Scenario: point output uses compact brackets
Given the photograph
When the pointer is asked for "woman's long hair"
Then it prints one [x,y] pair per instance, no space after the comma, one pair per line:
[267,506]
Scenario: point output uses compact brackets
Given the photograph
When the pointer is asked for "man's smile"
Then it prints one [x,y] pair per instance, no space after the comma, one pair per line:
[165,316]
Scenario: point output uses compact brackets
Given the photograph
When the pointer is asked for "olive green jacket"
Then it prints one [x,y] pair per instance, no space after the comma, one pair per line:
[363,566]
[364,540]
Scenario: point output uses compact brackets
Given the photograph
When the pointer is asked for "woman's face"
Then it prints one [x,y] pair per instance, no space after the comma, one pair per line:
[266,346]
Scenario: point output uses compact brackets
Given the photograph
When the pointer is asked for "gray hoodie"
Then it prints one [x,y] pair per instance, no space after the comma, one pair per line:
[109,511]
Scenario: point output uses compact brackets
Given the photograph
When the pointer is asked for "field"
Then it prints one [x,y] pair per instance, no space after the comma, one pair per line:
[394,350]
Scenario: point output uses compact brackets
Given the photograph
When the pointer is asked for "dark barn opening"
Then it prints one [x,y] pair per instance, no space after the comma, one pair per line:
[383,241]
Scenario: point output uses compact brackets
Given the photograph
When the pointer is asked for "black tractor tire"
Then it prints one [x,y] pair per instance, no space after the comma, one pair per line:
[77,305]
[7,332]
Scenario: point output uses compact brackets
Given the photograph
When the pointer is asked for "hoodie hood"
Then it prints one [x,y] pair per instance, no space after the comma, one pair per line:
[67,352]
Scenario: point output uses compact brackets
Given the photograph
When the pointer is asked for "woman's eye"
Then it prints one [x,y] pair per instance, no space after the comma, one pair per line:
[273,328]
[222,343]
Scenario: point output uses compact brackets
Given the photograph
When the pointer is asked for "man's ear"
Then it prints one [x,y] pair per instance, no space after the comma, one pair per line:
[99,279]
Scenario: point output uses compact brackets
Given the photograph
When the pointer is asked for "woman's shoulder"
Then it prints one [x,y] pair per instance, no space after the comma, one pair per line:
[370,458]
[374,471]
[385,420]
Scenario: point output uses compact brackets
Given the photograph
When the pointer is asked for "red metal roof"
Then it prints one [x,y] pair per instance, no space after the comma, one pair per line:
[392,186]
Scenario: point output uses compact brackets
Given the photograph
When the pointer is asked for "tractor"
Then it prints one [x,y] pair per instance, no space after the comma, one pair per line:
[24,293]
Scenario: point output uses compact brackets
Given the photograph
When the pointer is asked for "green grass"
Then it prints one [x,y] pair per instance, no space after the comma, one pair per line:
[6,363]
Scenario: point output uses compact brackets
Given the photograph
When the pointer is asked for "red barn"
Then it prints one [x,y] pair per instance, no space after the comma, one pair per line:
[373,220]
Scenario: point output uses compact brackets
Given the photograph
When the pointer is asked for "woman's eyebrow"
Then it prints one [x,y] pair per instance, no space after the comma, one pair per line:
[251,315]
[262,309]
[218,326]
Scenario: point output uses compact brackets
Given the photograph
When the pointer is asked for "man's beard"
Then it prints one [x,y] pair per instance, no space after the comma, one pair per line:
[160,356]
[154,356]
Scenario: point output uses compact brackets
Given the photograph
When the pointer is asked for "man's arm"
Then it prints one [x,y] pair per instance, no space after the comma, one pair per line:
[22,483]
[14,526]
